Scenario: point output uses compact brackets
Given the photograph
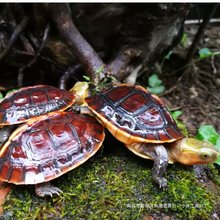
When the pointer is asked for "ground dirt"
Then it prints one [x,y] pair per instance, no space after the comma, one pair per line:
[197,91]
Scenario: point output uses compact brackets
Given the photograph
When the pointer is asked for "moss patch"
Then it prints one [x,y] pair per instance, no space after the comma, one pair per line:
[215,174]
[115,188]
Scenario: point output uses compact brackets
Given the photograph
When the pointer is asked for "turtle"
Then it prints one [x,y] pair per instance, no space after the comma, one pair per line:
[50,142]
[141,121]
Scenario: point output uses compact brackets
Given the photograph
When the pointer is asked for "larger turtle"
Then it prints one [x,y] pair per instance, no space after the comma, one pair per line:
[141,121]
[50,143]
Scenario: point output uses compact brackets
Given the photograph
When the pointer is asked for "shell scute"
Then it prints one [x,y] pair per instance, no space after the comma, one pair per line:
[163,135]
[18,152]
[96,103]
[37,143]
[138,101]
[22,100]
[151,117]
[173,132]
[39,97]
[117,93]
[5,170]
[42,150]
[15,174]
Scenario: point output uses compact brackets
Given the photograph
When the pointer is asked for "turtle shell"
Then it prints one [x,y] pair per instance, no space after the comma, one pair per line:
[132,114]
[39,151]
[33,101]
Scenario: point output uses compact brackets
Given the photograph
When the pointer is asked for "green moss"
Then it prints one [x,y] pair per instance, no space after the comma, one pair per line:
[185,197]
[214,174]
[114,188]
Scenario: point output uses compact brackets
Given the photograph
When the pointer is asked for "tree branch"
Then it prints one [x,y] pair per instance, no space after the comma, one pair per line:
[88,58]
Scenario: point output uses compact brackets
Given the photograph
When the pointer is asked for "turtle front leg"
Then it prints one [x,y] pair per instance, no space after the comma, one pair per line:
[46,189]
[159,155]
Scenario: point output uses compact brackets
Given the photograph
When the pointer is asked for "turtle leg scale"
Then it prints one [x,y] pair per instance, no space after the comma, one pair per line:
[46,189]
[160,156]
[159,170]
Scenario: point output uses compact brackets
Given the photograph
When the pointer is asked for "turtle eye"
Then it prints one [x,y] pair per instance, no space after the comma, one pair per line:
[204,156]
[208,155]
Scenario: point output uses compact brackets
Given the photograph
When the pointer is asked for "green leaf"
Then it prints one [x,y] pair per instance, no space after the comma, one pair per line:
[156,90]
[176,114]
[204,53]
[154,81]
[184,39]
[100,70]
[167,57]
[207,133]
[86,78]
[1,96]
[155,84]
[217,145]
[218,161]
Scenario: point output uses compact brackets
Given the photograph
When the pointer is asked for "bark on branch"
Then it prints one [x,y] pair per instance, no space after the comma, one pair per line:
[89,59]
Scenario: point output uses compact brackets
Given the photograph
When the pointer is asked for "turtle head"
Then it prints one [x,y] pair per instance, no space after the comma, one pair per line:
[190,151]
[81,91]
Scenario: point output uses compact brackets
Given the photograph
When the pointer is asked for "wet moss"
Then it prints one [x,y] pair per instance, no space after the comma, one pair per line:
[115,188]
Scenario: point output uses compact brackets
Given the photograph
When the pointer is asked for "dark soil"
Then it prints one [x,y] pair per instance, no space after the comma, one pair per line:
[197,91]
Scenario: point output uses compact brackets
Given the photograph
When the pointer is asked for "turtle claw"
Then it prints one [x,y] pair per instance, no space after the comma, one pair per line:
[46,189]
[163,183]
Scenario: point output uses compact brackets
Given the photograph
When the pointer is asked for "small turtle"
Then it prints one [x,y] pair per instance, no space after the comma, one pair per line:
[42,150]
[50,143]
[140,120]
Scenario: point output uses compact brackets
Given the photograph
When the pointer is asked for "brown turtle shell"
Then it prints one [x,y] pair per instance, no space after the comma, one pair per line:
[33,101]
[40,151]
[132,114]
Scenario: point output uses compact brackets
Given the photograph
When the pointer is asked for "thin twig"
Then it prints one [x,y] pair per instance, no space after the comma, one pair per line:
[42,58]
[19,28]
[17,13]
[213,64]
[215,96]
[174,87]
[42,46]
[70,72]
